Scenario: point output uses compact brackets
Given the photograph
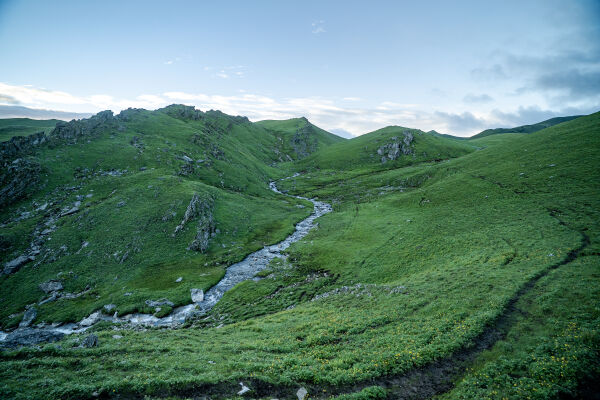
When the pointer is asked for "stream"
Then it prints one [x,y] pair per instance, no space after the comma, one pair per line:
[234,274]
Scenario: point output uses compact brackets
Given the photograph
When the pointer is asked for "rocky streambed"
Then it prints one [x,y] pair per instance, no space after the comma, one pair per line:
[202,302]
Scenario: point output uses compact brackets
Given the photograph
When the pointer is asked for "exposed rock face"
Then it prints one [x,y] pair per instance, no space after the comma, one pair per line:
[202,210]
[302,394]
[29,337]
[20,146]
[391,151]
[75,129]
[28,317]
[91,320]
[17,179]
[14,265]
[304,141]
[51,286]
[197,295]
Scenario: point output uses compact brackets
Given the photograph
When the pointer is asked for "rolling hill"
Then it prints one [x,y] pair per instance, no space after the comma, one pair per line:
[447,268]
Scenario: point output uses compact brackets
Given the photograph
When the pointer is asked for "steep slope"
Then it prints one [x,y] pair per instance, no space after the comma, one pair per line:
[526,128]
[419,267]
[10,127]
[298,138]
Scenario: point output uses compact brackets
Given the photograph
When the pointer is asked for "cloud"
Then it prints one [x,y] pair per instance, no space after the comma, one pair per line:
[342,133]
[351,99]
[318,27]
[6,99]
[339,116]
[464,122]
[573,84]
[477,98]
[222,74]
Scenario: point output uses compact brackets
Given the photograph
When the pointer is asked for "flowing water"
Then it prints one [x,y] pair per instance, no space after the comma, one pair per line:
[236,273]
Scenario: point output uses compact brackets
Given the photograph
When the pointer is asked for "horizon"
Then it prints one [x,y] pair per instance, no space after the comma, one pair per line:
[347,67]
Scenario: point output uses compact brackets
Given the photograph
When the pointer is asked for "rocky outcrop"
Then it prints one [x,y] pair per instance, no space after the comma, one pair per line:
[200,209]
[20,146]
[28,317]
[17,180]
[304,141]
[51,286]
[392,150]
[30,336]
[76,129]
[14,265]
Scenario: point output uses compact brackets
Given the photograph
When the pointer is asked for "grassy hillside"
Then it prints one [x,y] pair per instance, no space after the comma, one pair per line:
[469,272]
[129,182]
[384,149]
[10,127]
[526,128]
[298,138]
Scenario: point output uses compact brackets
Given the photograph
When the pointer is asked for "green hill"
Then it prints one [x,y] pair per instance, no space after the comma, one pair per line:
[447,269]
[298,138]
[10,127]
[388,148]
[526,128]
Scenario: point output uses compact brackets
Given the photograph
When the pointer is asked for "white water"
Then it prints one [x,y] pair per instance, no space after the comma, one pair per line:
[236,273]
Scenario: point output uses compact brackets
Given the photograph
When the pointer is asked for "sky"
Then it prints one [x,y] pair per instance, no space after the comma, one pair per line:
[350,67]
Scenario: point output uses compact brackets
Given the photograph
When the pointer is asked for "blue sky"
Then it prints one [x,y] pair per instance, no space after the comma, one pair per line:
[458,67]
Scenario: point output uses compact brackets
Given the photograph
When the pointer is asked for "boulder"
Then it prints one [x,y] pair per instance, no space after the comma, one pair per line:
[302,394]
[109,307]
[91,320]
[197,295]
[243,390]
[51,286]
[90,341]
[13,266]
[30,336]
[28,317]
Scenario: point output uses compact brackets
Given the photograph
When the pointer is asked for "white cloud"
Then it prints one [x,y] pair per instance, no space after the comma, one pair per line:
[318,27]
[222,74]
[355,118]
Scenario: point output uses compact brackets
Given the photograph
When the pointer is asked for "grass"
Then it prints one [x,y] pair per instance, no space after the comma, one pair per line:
[417,260]
[10,127]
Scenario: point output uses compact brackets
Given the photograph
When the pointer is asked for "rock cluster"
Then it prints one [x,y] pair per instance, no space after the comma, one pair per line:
[393,150]
[201,209]
[17,179]
[19,146]
[304,141]
[75,129]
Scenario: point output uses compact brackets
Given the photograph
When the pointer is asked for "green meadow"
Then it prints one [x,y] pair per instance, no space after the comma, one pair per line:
[465,269]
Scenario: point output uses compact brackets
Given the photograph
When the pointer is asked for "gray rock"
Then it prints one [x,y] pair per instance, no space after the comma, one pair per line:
[51,286]
[13,266]
[302,394]
[91,320]
[179,279]
[197,295]
[121,203]
[245,389]
[90,341]
[186,158]
[28,317]
[70,211]
[158,303]
[117,337]
[30,336]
